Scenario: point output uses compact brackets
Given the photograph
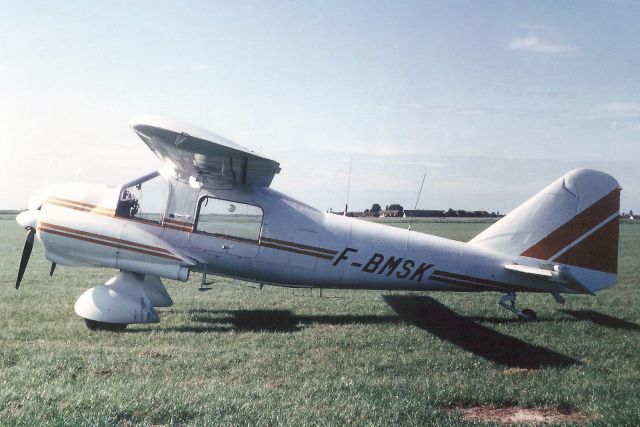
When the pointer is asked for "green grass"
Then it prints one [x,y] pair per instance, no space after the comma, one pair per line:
[238,355]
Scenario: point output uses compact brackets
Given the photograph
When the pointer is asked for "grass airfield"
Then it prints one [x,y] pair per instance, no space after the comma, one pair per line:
[238,355]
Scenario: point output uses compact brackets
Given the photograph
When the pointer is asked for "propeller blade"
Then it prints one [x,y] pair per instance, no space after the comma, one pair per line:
[26,253]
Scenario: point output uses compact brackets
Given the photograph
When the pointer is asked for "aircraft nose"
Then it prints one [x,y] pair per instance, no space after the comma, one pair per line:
[35,201]
[28,218]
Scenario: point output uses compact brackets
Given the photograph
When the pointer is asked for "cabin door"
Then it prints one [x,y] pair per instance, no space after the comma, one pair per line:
[228,227]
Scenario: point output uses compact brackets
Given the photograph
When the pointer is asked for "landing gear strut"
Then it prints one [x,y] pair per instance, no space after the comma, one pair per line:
[508,301]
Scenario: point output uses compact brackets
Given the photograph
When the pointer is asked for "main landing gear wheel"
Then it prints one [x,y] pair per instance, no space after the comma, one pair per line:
[94,325]
[528,315]
[508,301]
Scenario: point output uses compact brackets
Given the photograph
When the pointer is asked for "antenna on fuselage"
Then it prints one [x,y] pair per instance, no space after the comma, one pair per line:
[346,204]
[415,208]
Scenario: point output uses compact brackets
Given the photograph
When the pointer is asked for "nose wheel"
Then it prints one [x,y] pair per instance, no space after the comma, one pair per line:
[508,301]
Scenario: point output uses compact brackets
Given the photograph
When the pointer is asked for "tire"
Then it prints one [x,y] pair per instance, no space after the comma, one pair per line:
[528,315]
[94,325]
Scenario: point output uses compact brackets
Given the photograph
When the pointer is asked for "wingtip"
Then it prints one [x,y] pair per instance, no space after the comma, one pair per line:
[136,122]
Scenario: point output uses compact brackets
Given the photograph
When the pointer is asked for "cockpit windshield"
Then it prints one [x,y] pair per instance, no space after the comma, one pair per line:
[144,198]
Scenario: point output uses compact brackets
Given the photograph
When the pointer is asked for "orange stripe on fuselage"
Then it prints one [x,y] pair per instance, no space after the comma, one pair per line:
[106,241]
[299,246]
[101,236]
[282,245]
[72,202]
[179,223]
[461,279]
[83,207]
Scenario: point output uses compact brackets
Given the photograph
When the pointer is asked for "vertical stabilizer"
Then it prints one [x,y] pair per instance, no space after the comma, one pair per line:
[573,221]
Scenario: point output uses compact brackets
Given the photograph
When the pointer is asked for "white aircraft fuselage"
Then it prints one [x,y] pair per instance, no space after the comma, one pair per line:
[298,246]
[563,240]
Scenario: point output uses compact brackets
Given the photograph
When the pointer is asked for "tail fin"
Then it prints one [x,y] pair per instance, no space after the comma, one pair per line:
[573,221]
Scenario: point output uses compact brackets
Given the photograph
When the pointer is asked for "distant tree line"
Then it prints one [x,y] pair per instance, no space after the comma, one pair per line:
[396,210]
[451,213]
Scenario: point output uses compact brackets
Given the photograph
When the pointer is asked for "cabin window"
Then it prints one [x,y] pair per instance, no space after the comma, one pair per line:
[144,199]
[226,218]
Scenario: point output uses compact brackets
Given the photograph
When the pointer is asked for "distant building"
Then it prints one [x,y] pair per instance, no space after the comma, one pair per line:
[389,213]
[420,213]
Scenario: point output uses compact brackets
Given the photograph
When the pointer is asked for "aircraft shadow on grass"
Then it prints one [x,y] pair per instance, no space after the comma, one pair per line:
[602,319]
[270,321]
[420,311]
[433,317]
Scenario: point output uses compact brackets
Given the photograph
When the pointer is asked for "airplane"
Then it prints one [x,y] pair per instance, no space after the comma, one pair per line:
[219,216]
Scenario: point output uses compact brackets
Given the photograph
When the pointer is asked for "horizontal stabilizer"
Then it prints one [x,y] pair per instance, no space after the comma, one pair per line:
[530,270]
[558,275]
[571,224]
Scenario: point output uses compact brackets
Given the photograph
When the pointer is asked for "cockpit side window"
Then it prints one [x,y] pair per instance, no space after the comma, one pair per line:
[144,199]
[226,218]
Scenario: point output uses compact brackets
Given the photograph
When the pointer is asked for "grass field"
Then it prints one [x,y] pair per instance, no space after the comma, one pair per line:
[237,355]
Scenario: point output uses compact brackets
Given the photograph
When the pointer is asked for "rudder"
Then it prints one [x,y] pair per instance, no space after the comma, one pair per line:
[573,221]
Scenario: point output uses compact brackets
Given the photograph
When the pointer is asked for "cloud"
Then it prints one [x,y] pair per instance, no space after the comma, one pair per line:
[532,43]
[616,110]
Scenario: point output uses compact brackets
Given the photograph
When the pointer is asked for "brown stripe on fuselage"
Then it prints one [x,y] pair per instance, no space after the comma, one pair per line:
[300,246]
[469,285]
[270,243]
[494,283]
[72,202]
[97,209]
[296,251]
[570,231]
[267,242]
[179,223]
[233,238]
[176,227]
[103,237]
[598,251]
[106,243]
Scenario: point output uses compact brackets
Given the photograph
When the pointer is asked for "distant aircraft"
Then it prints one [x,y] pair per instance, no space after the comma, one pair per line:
[219,216]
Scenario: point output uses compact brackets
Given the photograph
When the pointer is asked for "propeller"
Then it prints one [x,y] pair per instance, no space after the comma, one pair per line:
[26,253]
[28,219]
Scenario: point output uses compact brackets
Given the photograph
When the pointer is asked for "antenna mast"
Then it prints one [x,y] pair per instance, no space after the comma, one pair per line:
[417,200]
[346,205]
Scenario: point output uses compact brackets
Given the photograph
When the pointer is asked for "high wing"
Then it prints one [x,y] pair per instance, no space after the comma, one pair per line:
[195,152]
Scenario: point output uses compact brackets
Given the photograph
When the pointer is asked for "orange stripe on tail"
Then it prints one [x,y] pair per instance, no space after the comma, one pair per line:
[599,251]
[573,229]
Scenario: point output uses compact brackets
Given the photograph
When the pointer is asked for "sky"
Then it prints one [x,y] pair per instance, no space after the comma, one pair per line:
[492,100]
